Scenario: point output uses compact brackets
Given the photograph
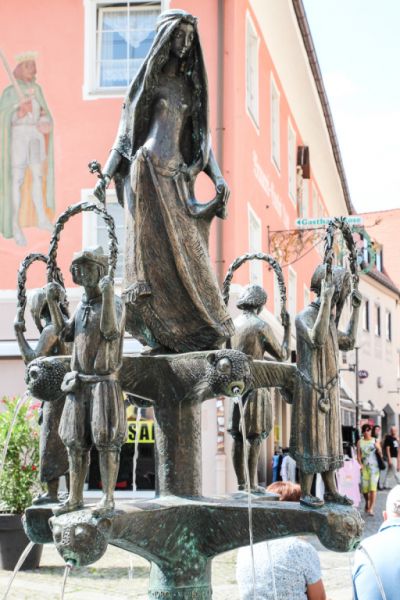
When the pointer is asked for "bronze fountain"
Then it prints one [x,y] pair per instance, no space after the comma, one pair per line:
[172,303]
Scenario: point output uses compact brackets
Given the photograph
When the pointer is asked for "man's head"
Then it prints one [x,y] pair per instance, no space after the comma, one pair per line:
[253,297]
[393,431]
[89,266]
[286,490]
[392,504]
[25,69]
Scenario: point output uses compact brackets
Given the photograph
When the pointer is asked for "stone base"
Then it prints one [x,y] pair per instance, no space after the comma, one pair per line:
[180,536]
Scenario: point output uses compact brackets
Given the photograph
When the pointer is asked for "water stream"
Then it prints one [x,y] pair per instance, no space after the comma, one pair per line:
[19,564]
[68,569]
[136,446]
[239,402]
[131,568]
[18,407]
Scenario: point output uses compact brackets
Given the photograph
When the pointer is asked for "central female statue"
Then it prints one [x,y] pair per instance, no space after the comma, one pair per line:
[163,143]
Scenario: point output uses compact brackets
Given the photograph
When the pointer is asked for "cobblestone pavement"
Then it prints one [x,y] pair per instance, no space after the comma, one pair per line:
[120,575]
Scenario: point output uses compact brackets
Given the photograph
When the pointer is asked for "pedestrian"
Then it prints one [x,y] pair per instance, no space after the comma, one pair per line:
[367,447]
[288,469]
[376,571]
[376,433]
[291,564]
[391,456]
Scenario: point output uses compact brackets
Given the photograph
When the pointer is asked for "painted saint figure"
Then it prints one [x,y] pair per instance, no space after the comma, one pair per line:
[316,438]
[94,411]
[53,455]
[163,143]
[26,156]
[254,337]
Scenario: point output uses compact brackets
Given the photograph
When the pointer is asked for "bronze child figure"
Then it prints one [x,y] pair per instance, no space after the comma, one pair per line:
[49,321]
[254,337]
[94,410]
[316,439]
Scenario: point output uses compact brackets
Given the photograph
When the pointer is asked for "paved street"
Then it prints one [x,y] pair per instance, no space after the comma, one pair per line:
[121,575]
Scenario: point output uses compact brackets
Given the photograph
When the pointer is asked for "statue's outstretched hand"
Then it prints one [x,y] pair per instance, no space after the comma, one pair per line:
[221,187]
[19,325]
[53,291]
[106,284]
[100,190]
[327,286]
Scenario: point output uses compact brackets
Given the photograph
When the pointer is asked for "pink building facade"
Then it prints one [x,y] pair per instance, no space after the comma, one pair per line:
[272,135]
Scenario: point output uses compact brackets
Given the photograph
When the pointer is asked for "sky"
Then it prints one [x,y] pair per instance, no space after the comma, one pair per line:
[358,48]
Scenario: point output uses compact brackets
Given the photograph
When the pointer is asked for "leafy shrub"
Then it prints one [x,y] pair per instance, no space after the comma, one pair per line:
[19,478]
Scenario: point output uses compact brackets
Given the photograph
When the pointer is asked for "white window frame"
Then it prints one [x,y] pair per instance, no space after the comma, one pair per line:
[366,315]
[388,326]
[255,245]
[378,320]
[91,91]
[89,221]
[275,100]
[292,162]
[378,259]
[252,72]
[292,293]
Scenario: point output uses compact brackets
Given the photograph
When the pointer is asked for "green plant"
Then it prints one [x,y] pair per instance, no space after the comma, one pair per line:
[19,478]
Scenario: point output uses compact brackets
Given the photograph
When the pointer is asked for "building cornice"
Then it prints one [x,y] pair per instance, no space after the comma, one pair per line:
[316,72]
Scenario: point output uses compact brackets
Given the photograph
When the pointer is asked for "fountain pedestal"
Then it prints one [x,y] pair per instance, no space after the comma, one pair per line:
[179,531]
[181,536]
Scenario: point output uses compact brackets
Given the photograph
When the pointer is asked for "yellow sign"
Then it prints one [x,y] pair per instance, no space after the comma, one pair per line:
[146,432]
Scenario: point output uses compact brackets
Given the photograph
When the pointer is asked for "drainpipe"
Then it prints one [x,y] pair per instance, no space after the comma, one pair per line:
[220,132]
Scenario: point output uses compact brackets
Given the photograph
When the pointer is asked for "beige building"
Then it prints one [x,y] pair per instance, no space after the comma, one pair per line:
[379,355]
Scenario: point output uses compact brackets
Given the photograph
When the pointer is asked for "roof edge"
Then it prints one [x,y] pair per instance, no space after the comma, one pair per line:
[316,71]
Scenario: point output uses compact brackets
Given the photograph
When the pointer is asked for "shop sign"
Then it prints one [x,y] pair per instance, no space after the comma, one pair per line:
[363,374]
[145,431]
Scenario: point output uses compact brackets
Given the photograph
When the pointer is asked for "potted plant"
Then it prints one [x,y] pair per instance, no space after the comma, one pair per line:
[19,480]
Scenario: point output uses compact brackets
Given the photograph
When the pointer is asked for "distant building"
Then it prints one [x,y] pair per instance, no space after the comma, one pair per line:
[379,337]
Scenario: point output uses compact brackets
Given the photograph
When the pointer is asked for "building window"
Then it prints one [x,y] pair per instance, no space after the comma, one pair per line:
[252,44]
[275,125]
[366,315]
[292,163]
[305,199]
[292,292]
[388,326]
[95,231]
[379,259]
[118,36]
[377,320]
[255,245]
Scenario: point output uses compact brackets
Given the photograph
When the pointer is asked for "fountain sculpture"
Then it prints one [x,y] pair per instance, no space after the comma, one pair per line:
[174,306]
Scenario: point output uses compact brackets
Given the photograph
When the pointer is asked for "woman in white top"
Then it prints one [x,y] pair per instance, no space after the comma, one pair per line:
[295,563]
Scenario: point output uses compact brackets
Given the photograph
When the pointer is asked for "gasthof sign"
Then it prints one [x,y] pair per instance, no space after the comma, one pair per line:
[324,221]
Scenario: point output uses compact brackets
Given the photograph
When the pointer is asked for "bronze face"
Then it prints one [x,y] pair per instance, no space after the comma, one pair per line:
[86,273]
[182,40]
